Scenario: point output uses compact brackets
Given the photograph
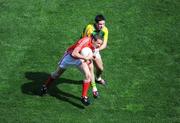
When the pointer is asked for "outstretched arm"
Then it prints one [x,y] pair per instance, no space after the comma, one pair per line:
[103,46]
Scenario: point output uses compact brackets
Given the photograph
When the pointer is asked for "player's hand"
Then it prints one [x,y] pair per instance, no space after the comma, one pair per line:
[89,57]
[96,50]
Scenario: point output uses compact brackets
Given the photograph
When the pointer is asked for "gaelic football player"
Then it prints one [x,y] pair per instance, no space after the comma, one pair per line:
[73,57]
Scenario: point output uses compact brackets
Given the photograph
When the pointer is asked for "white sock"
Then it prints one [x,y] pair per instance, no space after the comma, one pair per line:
[99,78]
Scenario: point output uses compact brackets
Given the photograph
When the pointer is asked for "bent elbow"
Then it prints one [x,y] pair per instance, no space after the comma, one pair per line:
[73,54]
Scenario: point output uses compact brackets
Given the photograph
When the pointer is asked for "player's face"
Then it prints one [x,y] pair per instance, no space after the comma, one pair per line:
[97,43]
[100,24]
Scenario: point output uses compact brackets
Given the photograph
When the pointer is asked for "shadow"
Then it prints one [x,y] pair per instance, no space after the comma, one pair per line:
[37,78]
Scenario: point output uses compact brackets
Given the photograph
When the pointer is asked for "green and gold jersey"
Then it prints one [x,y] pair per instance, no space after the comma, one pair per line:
[90,29]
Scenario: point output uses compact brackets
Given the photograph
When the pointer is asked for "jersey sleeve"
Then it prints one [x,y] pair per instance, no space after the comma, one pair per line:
[87,31]
[81,43]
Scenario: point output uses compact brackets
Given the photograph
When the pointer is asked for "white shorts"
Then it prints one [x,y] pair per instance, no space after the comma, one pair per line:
[68,61]
[97,55]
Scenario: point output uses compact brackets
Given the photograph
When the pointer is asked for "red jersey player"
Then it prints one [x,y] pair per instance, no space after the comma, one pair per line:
[73,57]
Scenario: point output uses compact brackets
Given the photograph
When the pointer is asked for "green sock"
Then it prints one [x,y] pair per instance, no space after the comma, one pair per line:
[93,84]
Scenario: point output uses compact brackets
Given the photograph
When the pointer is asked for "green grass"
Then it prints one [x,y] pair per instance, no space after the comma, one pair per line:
[142,61]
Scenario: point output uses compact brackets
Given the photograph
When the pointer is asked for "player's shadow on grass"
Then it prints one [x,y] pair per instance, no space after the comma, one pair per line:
[37,78]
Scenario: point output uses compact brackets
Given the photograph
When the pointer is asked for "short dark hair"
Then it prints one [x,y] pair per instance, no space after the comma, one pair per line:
[99,17]
[96,37]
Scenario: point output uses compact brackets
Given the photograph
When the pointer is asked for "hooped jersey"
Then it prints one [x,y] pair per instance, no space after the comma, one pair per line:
[83,42]
[90,29]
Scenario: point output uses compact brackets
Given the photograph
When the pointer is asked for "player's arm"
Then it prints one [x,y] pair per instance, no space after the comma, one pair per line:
[104,45]
[76,51]
[76,54]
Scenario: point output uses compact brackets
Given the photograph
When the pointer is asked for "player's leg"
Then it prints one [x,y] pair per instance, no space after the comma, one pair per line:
[86,82]
[93,84]
[99,68]
[56,74]
[62,65]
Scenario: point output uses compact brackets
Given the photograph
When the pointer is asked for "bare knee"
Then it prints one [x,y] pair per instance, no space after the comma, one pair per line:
[87,77]
[54,75]
[100,68]
[59,71]
[99,65]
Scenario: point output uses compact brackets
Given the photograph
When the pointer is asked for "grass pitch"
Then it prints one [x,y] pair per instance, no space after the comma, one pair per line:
[141,61]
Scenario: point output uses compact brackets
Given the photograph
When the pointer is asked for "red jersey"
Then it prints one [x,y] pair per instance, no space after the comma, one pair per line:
[83,42]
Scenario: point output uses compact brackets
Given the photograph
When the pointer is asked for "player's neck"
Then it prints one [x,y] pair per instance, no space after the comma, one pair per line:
[95,27]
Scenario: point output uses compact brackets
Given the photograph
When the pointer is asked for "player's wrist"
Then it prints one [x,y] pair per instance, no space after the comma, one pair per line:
[85,59]
[96,50]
